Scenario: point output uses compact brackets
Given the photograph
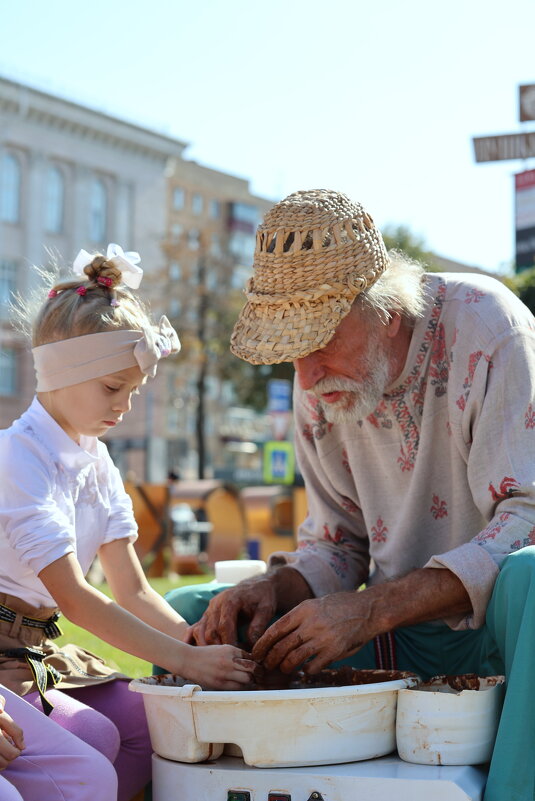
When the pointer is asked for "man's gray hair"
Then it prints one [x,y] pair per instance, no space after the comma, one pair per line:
[401,288]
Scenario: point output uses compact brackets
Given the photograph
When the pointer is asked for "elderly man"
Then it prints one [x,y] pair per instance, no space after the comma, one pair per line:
[414,414]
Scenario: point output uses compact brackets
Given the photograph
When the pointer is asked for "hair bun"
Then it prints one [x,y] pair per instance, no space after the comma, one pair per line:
[101,268]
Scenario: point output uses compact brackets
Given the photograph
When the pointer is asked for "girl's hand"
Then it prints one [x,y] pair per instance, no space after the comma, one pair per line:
[218,667]
[11,737]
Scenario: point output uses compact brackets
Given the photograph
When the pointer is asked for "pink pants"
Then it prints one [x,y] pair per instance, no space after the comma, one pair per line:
[112,720]
[55,765]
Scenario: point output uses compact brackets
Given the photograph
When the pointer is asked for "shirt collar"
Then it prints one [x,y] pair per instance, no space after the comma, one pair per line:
[54,437]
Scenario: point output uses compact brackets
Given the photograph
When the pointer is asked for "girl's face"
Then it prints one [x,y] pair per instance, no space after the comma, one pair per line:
[93,407]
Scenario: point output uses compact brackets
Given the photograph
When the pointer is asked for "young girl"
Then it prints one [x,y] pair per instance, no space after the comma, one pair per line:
[62,502]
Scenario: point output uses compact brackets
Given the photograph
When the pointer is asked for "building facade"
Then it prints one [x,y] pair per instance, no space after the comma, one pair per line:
[72,177]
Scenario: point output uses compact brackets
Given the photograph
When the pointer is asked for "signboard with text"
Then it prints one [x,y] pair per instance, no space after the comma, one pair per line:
[526,102]
[504,147]
[525,219]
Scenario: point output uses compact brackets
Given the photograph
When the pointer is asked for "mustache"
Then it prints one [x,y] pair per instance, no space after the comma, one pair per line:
[335,384]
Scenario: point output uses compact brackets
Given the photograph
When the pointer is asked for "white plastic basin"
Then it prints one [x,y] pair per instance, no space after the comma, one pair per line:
[273,728]
[437,725]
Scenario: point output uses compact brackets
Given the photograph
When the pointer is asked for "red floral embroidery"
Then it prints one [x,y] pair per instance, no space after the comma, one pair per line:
[529,540]
[379,531]
[349,506]
[319,426]
[338,537]
[473,361]
[439,508]
[439,368]
[474,295]
[508,487]
[530,417]
[379,417]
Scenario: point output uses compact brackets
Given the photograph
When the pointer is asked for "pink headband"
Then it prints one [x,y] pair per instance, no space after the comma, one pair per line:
[72,361]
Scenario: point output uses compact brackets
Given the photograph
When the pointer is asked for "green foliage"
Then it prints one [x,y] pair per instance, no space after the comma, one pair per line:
[400,237]
[523,285]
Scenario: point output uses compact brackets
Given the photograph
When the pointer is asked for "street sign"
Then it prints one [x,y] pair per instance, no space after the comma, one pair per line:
[526,102]
[279,395]
[525,219]
[279,463]
[506,146]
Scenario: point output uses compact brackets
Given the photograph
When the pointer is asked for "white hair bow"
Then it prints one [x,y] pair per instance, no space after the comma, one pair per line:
[156,344]
[125,262]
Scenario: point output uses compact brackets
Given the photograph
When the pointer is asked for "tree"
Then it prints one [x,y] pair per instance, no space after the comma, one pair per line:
[400,237]
[523,285]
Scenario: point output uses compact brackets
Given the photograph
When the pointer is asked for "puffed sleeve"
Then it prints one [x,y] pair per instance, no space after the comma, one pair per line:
[35,527]
[496,431]
[332,552]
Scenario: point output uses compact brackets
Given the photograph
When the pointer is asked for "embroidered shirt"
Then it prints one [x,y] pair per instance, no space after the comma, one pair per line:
[56,497]
[442,474]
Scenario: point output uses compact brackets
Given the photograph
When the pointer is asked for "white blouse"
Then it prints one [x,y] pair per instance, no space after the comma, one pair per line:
[56,497]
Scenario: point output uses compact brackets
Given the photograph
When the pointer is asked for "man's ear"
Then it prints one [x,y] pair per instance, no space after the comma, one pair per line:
[394,324]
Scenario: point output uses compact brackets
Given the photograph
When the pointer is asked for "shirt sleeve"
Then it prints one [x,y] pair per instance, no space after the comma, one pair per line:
[35,527]
[121,520]
[496,431]
[332,551]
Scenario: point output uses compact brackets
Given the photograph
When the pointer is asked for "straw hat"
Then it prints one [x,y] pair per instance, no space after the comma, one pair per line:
[315,252]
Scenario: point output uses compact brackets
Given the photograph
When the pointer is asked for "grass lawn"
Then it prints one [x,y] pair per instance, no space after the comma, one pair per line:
[124,662]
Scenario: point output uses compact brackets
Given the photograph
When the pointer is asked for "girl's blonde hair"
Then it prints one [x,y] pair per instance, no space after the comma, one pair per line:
[74,308]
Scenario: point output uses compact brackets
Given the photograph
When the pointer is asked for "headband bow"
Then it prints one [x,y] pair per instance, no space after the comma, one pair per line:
[155,344]
[125,262]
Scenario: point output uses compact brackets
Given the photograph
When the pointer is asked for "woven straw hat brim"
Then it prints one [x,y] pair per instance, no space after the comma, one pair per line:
[283,332]
[315,252]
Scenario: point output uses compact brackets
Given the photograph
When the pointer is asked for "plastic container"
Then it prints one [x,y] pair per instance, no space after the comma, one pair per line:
[235,570]
[273,728]
[440,725]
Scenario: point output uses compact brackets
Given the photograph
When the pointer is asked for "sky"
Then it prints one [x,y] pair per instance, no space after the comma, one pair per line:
[379,99]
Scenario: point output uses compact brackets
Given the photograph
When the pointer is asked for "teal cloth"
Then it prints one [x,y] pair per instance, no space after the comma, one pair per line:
[506,644]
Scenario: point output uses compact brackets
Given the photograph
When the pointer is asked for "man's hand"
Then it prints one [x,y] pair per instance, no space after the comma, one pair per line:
[326,629]
[254,601]
[321,630]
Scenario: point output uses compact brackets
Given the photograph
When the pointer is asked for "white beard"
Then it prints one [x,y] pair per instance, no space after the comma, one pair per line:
[360,397]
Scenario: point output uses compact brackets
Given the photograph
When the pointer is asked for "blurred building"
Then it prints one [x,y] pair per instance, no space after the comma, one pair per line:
[209,246]
[73,177]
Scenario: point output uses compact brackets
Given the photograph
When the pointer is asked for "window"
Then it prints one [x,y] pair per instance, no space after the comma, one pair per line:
[212,280]
[194,239]
[8,371]
[197,204]
[175,307]
[215,209]
[98,211]
[10,182]
[175,271]
[8,285]
[179,198]
[215,245]
[176,231]
[54,200]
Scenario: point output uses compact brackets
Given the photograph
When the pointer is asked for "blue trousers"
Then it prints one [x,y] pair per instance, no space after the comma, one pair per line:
[504,645]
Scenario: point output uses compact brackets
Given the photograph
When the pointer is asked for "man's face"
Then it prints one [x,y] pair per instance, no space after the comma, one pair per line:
[350,374]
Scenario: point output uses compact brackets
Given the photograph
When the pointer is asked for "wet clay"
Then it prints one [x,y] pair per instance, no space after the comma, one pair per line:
[465,681]
[334,677]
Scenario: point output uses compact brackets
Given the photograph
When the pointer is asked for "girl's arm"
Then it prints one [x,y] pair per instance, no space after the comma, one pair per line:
[133,592]
[217,667]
